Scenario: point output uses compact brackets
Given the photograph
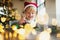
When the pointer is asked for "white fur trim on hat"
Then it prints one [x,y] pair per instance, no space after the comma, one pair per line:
[30,5]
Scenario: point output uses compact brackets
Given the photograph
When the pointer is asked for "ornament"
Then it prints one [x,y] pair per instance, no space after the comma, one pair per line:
[1,28]
[17,16]
[14,27]
[3,19]
[28,28]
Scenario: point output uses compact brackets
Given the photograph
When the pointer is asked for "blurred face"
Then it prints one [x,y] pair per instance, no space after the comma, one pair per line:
[30,13]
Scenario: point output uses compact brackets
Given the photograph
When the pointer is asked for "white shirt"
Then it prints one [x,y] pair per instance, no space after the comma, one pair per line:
[32,22]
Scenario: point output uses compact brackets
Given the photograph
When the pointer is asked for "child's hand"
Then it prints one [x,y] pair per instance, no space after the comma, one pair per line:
[22,20]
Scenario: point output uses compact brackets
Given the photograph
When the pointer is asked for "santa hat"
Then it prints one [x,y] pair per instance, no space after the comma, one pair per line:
[27,4]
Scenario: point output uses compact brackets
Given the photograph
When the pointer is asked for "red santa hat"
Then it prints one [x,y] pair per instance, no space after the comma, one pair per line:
[27,4]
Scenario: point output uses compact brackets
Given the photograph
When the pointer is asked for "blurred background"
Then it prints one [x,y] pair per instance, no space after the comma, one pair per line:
[52,8]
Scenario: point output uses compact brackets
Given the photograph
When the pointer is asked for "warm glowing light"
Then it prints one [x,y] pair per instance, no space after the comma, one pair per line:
[28,29]
[6,35]
[34,32]
[21,37]
[21,31]
[14,34]
[49,30]
[17,16]
[54,21]
[1,28]
[14,27]
[1,37]
[3,19]
[21,26]
[43,36]
[10,35]
[58,35]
